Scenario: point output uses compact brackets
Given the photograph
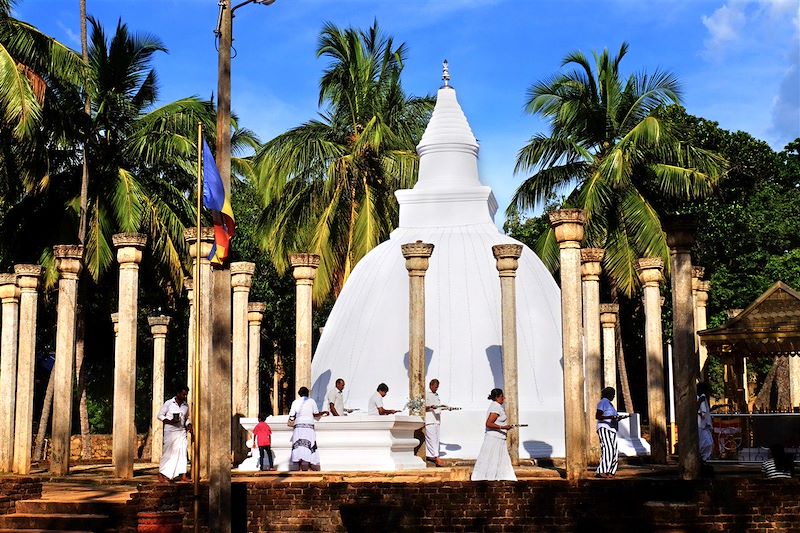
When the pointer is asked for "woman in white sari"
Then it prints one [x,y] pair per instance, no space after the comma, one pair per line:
[494,463]
[304,413]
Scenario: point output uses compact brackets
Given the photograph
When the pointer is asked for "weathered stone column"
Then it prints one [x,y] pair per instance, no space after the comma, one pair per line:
[202,305]
[158,328]
[28,283]
[507,256]
[568,226]
[188,284]
[255,314]
[794,380]
[417,255]
[650,270]
[680,238]
[241,281]
[68,263]
[700,320]
[591,268]
[304,269]
[9,294]
[129,254]
[608,321]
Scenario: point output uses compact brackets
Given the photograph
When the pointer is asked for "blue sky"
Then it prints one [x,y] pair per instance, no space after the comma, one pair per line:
[738,60]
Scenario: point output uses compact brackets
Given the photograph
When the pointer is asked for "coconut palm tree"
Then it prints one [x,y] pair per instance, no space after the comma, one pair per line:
[142,160]
[612,154]
[328,184]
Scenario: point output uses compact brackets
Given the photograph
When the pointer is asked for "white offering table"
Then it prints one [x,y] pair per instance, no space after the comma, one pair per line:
[347,443]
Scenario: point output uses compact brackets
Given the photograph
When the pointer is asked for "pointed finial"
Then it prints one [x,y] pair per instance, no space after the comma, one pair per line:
[445,74]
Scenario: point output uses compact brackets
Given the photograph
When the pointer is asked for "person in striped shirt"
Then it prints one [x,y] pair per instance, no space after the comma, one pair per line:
[607,422]
[780,465]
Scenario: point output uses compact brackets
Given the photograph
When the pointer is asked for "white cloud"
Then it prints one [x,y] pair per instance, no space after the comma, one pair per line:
[72,37]
[724,27]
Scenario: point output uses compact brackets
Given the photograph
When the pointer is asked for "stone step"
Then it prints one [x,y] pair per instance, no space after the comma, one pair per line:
[96,507]
[55,521]
[4,530]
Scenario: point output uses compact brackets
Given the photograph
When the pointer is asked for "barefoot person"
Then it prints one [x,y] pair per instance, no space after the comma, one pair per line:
[433,420]
[175,416]
[304,413]
[607,422]
[494,463]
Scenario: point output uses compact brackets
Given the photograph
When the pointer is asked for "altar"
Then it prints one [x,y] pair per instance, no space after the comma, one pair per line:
[347,443]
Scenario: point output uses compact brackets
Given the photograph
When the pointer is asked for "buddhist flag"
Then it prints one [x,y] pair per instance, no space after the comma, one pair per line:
[219,204]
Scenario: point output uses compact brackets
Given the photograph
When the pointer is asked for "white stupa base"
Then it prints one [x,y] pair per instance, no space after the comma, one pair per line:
[629,437]
[347,443]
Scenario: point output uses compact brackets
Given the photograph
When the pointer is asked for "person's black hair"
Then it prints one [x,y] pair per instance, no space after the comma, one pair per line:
[607,391]
[434,380]
[182,388]
[783,461]
[262,417]
[303,392]
[338,380]
[383,387]
[703,388]
[496,393]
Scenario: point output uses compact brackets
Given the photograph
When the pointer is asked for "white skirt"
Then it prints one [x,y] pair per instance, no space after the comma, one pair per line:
[493,463]
[174,455]
[304,444]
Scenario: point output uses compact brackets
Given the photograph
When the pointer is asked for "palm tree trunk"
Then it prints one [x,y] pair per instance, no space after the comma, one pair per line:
[623,371]
[784,387]
[86,445]
[86,448]
[763,400]
[44,418]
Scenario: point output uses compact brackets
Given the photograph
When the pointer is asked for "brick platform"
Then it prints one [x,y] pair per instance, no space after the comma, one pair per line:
[15,488]
[283,504]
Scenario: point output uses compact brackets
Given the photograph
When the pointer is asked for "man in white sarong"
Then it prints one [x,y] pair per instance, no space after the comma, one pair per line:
[433,421]
[175,416]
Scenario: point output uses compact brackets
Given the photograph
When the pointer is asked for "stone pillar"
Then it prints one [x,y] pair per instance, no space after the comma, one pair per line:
[158,328]
[304,269]
[568,226]
[417,256]
[241,281]
[591,268]
[68,263]
[202,305]
[680,238]
[255,314]
[507,256]
[700,321]
[608,321]
[28,283]
[794,380]
[9,294]
[188,284]
[129,254]
[650,270]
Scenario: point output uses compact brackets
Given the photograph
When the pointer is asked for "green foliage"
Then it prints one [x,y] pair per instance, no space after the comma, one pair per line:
[617,158]
[328,185]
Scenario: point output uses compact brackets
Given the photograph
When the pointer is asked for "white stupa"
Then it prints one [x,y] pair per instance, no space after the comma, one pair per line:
[365,340]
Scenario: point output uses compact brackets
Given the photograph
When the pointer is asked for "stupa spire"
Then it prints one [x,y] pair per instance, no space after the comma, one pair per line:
[445,74]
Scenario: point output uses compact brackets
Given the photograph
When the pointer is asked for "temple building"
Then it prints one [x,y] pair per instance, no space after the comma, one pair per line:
[366,338]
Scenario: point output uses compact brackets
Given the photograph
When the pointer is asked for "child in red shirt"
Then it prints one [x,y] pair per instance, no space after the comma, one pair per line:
[262,438]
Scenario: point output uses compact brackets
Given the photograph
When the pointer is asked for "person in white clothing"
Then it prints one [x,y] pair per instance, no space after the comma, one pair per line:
[494,463]
[304,413]
[704,428]
[175,416]
[375,405]
[335,399]
[433,420]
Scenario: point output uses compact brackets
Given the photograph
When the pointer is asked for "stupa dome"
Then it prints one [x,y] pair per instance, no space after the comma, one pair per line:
[365,340]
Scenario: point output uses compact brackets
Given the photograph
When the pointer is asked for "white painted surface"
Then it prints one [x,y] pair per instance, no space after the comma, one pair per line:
[365,340]
[352,443]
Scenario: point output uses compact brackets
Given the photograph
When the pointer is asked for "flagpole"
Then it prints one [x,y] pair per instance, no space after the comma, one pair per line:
[198,307]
